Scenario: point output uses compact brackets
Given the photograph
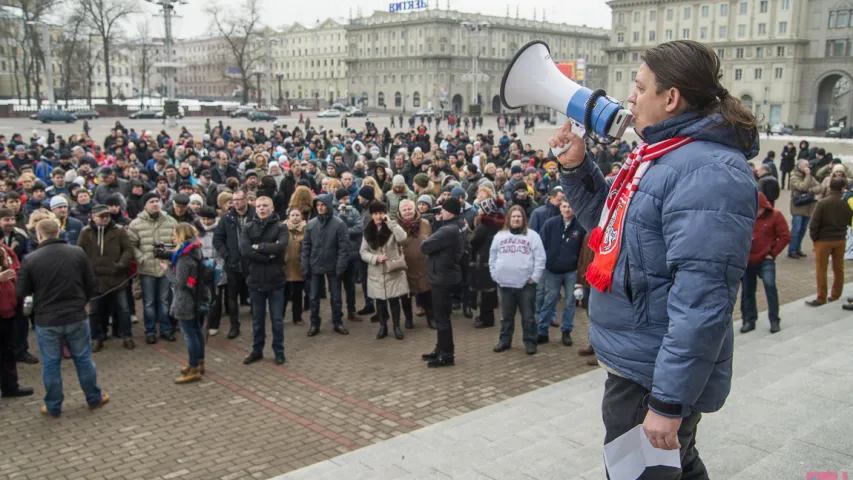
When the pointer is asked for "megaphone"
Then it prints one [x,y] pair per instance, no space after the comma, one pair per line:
[532,78]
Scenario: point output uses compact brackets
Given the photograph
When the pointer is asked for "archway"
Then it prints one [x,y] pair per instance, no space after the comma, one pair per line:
[398,100]
[380,98]
[496,104]
[457,103]
[833,101]
[364,99]
[746,100]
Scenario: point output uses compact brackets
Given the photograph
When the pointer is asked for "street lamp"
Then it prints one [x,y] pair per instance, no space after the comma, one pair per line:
[331,95]
[278,77]
[258,76]
[474,76]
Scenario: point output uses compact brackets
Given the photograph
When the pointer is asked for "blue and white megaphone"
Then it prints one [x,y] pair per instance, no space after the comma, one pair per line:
[532,78]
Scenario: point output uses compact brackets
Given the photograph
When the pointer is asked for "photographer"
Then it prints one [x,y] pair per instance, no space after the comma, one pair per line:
[183,271]
[152,226]
[355,226]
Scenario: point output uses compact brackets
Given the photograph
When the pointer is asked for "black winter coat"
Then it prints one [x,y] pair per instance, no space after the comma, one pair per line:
[444,249]
[226,239]
[266,262]
[220,177]
[61,281]
[488,227]
[326,244]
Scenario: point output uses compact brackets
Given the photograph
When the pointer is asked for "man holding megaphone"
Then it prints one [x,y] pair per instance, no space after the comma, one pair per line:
[671,236]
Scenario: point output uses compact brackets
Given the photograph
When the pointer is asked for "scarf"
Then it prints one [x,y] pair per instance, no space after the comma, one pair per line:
[185,249]
[413,226]
[606,239]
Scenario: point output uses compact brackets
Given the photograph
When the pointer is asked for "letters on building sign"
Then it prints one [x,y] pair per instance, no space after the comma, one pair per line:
[406,6]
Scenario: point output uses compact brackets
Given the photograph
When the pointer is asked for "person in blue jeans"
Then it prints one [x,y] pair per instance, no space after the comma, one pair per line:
[61,281]
[562,236]
[263,244]
[770,236]
[184,272]
[804,187]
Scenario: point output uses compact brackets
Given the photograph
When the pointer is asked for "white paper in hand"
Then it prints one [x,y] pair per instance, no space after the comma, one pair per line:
[578,130]
[629,455]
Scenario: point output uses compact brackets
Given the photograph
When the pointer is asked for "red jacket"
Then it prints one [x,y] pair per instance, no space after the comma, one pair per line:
[8,299]
[770,235]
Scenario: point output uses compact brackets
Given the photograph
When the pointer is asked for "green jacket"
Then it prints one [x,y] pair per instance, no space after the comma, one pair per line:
[144,232]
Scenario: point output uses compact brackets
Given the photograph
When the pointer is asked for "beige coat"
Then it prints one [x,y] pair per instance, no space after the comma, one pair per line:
[800,184]
[381,285]
[292,257]
[416,261]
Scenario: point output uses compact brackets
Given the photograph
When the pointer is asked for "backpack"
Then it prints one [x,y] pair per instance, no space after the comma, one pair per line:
[204,283]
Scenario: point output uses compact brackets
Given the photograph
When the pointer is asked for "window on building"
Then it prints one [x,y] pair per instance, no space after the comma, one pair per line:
[653,16]
[762,6]
[738,73]
[783,28]
[786,4]
[721,52]
[762,29]
[724,10]
[667,34]
[706,10]
[687,13]
[651,35]
[741,31]
[838,48]
[633,76]
[636,37]
[618,58]
[416,99]
[759,52]
[636,17]
[635,56]
[685,33]
[780,51]
[778,73]
[744,7]
[620,37]
[703,33]
[618,76]
[721,35]
[758,74]
[669,14]
[621,19]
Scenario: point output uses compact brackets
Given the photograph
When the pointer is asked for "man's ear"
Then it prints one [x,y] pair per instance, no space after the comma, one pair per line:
[674,101]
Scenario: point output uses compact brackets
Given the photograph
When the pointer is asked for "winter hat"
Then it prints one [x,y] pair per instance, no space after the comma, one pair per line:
[421,180]
[181,199]
[113,200]
[516,169]
[457,192]
[398,181]
[491,206]
[452,205]
[100,209]
[449,186]
[377,207]
[207,212]
[39,185]
[147,197]
[367,193]
[58,201]
[425,199]
[550,164]
[341,193]
[530,170]
[520,186]
[250,173]
[196,198]
[839,168]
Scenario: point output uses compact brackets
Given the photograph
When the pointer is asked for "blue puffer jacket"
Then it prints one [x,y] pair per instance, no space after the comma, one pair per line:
[667,321]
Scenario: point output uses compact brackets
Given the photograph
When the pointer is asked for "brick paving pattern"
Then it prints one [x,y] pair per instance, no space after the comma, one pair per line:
[335,394]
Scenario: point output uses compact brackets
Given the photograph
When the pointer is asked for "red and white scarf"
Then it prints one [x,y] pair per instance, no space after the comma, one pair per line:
[606,239]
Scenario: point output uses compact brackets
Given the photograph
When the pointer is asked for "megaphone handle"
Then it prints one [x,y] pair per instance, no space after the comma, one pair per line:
[558,150]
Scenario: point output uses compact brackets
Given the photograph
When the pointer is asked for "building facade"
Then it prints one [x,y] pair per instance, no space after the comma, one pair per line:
[781,58]
[405,61]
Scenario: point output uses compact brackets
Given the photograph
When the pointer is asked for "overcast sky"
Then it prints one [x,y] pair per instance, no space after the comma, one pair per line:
[193,20]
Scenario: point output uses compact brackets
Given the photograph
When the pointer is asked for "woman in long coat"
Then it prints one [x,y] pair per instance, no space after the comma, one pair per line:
[386,269]
[489,223]
[417,230]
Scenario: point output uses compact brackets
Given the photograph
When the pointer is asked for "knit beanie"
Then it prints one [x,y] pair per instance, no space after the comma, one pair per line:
[421,180]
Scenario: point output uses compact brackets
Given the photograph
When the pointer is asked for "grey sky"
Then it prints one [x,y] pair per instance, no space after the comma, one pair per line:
[195,22]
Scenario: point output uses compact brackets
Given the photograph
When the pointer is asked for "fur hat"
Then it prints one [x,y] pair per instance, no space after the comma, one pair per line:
[377,207]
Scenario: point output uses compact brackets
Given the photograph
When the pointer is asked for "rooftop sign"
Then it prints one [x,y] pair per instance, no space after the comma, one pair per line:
[407,6]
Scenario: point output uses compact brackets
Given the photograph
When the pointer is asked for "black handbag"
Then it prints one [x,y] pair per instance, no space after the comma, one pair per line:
[804,199]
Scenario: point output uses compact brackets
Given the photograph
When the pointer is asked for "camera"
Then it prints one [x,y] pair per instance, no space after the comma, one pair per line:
[163,251]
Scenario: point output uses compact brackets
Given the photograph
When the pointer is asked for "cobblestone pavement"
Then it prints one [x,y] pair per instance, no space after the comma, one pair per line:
[334,395]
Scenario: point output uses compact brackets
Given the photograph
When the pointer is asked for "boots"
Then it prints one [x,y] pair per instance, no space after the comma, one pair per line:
[192,375]
[398,334]
[383,326]
[186,369]
[407,311]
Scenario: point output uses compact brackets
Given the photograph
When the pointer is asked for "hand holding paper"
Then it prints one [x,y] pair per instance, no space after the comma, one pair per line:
[629,455]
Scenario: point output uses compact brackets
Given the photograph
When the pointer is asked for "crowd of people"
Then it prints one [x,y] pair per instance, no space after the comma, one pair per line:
[199,225]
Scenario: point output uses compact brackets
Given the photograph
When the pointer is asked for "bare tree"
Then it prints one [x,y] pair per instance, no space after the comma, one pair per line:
[71,52]
[143,49]
[239,27]
[33,12]
[105,16]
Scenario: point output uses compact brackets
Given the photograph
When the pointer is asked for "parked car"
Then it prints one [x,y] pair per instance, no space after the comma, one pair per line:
[424,112]
[150,114]
[839,132]
[241,112]
[87,115]
[355,112]
[160,114]
[55,115]
[339,106]
[329,113]
[258,116]
[781,129]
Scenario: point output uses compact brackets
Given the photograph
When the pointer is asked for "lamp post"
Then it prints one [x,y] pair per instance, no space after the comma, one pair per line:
[278,77]
[475,31]
[331,95]
[258,77]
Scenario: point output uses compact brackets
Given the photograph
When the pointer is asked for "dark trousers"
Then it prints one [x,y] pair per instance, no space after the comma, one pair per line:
[382,308]
[8,369]
[625,405]
[215,317]
[442,304]
[293,293]
[236,284]
[362,273]
[488,304]
[334,289]
[348,279]
[21,325]
[524,300]
[100,309]
[260,299]
[748,307]
[784,174]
